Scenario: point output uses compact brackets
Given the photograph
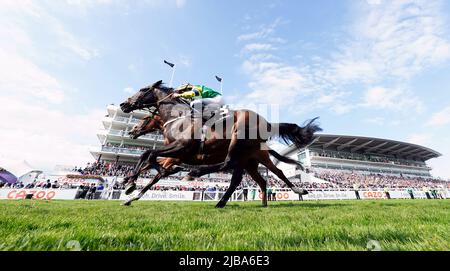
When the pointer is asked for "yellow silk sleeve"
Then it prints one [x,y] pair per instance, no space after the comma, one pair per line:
[188,94]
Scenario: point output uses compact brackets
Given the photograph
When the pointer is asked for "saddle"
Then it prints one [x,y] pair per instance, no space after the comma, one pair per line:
[209,115]
[211,119]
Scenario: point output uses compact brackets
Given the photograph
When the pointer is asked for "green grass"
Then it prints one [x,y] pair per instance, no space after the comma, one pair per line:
[322,225]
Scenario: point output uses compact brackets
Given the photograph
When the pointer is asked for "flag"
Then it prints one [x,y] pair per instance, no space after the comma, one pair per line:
[219,79]
[170,64]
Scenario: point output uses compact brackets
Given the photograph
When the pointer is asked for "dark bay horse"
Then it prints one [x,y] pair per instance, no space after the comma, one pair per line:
[226,148]
[147,125]
[154,123]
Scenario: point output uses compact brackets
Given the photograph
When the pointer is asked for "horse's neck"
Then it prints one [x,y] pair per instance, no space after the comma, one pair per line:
[167,107]
[165,112]
[158,123]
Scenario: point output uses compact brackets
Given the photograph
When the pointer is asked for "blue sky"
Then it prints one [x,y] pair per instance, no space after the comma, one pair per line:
[371,67]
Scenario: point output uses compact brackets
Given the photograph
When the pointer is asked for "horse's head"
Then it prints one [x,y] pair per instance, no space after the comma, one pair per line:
[147,125]
[144,98]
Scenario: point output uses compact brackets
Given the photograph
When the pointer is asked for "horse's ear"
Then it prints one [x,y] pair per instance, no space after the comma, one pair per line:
[157,84]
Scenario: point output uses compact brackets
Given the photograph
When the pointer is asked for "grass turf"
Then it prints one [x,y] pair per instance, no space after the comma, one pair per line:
[321,225]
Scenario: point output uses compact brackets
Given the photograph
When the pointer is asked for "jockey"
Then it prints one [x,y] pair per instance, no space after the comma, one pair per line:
[200,95]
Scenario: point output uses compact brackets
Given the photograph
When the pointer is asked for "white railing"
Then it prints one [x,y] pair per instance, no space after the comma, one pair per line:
[251,195]
[122,133]
[118,150]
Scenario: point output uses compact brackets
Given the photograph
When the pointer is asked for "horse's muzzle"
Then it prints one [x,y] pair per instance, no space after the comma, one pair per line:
[126,107]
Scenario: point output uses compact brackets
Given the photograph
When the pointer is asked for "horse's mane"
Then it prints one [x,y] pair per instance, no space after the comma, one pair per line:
[161,86]
[168,90]
[165,89]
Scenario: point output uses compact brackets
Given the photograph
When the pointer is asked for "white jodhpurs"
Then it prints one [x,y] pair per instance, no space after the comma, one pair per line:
[216,101]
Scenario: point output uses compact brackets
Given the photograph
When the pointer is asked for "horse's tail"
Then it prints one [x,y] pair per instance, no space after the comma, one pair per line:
[300,136]
[285,159]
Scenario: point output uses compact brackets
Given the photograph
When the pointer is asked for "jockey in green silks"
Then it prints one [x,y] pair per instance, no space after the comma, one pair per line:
[199,95]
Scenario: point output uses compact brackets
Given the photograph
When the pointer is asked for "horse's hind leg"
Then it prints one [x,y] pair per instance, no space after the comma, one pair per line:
[264,159]
[252,170]
[235,181]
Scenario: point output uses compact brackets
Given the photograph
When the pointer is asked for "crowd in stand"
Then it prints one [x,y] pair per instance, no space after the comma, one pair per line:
[377,159]
[335,180]
[350,180]
[108,169]
[42,185]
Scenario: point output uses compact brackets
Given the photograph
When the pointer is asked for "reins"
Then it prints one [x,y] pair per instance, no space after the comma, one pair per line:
[158,103]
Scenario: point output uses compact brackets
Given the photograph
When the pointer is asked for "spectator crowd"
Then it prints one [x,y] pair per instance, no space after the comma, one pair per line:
[334,180]
[348,180]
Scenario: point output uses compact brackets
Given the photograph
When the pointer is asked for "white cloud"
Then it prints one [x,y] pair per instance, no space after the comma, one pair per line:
[33,128]
[181,3]
[44,136]
[89,3]
[376,120]
[392,39]
[264,32]
[21,77]
[129,90]
[393,99]
[374,2]
[184,61]
[274,83]
[252,47]
[68,41]
[33,18]
[420,139]
[440,118]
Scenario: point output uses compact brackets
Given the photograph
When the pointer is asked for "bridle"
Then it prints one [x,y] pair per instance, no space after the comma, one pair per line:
[148,107]
[155,104]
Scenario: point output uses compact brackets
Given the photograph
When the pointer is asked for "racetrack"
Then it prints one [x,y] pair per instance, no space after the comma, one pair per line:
[322,225]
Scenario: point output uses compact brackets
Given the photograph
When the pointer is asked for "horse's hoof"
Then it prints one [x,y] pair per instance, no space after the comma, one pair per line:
[300,191]
[220,205]
[126,203]
[188,178]
[195,173]
[130,189]
[126,180]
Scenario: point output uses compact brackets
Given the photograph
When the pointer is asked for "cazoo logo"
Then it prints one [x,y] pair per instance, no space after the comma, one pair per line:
[37,194]
[279,195]
[374,195]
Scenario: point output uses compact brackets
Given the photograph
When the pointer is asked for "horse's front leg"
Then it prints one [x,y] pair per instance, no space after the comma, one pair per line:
[138,168]
[236,179]
[167,165]
[143,190]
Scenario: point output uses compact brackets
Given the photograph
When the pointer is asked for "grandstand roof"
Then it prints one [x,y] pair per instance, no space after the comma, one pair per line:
[370,145]
[17,168]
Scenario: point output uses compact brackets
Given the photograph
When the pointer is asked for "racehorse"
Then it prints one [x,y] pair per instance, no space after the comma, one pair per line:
[154,123]
[224,149]
[147,125]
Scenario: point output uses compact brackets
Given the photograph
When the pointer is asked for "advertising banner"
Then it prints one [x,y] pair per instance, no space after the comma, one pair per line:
[330,195]
[399,195]
[372,195]
[43,194]
[419,194]
[165,195]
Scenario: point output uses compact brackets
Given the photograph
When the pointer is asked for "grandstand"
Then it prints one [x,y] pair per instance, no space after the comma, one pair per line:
[365,155]
[116,144]
[118,153]
[331,161]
